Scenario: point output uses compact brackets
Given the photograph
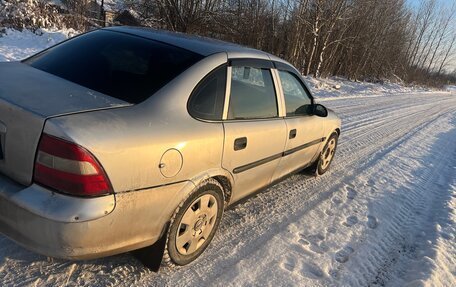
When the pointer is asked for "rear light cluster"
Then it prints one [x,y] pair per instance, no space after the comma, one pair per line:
[69,168]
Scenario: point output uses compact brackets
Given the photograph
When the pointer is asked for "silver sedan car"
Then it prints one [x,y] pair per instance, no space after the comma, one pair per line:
[130,138]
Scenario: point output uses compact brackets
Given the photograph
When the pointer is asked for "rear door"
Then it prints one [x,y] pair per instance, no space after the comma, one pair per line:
[304,130]
[255,135]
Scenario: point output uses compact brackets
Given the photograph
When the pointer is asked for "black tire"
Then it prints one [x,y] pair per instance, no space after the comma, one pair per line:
[210,189]
[326,156]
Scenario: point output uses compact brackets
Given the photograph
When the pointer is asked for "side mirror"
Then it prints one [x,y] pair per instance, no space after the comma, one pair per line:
[320,110]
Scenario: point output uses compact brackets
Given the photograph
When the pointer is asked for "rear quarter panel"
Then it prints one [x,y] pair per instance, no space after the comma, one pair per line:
[129,142]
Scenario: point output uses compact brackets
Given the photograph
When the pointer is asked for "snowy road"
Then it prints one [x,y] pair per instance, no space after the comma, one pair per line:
[383,215]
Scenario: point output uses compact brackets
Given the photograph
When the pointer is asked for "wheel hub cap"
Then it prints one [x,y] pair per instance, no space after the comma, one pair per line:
[199,225]
[196,224]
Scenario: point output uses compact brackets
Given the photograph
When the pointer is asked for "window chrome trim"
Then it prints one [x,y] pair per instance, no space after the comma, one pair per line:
[277,91]
[280,97]
[227,94]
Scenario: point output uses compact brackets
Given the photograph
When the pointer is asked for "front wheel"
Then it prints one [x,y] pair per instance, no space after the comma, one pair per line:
[194,224]
[327,154]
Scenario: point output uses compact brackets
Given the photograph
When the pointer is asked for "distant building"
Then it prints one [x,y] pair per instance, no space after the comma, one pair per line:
[110,15]
[109,18]
[126,18]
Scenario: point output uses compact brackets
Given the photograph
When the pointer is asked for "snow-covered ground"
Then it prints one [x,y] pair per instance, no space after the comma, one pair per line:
[16,45]
[338,88]
[383,216]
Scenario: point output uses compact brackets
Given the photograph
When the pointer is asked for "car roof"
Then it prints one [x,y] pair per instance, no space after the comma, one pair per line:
[197,44]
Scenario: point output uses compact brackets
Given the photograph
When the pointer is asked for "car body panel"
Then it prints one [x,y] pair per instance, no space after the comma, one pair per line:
[302,149]
[136,221]
[47,95]
[250,178]
[197,44]
[332,123]
[59,207]
[21,131]
[131,142]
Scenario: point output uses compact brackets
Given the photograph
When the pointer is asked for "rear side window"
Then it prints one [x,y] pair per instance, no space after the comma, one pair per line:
[252,94]
[120,65]
[206,101]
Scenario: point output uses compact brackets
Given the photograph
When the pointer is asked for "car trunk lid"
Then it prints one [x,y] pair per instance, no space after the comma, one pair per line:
[28,97]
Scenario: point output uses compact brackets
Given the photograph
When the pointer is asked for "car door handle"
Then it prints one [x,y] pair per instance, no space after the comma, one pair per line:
[240,143]
[292,134]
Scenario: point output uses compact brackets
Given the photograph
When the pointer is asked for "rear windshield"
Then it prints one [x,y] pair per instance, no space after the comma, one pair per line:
[120,65]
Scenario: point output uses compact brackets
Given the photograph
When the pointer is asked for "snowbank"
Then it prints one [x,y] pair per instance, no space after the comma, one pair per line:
[340,88]
[17,45]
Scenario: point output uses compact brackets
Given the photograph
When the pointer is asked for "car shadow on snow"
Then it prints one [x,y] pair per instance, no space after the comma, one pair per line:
[20,266]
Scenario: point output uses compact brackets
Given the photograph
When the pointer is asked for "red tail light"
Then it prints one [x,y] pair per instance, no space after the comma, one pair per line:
[69,168]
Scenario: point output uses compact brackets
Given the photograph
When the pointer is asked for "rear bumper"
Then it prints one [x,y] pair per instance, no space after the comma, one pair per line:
[74,228]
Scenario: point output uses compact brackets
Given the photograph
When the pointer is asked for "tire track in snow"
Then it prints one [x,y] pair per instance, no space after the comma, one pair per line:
[424,201]
[379,251]
[348,253]
[407,207]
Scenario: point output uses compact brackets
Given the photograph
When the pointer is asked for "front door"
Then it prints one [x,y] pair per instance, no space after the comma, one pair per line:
[304,130]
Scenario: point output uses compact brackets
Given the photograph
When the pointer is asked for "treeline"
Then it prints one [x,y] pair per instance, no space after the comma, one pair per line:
[357,39]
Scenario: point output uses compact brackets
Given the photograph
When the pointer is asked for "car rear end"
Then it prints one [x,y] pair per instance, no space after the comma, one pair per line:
[55,196]
[49,187]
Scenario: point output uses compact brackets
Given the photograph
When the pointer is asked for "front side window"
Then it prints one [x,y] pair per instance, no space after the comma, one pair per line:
[252,94]
[206,101]
[297,101]
[119,65]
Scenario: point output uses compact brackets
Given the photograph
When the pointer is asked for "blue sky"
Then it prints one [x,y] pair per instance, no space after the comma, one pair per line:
[446,3]
[416,3]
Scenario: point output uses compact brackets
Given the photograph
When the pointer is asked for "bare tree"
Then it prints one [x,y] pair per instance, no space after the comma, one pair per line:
[358,39]
[450,49]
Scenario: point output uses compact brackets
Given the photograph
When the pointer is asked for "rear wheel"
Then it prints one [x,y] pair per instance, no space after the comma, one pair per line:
[327,154]
[194,224]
